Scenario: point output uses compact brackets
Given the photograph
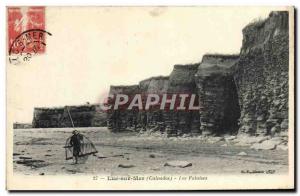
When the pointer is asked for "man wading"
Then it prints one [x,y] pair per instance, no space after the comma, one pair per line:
[75,142]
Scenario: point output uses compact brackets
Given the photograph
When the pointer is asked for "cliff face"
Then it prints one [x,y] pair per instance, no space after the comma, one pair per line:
[82,116]
[152,118]
[217,94]
[245,93]
[122,119]
[182,81]
[158,84]
[261,76]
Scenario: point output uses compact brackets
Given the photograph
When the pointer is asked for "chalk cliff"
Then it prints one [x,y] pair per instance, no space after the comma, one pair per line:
[153,117]
[217,94]
[238,94]
[182,81]
[82,116]
[261,76]
[122,118]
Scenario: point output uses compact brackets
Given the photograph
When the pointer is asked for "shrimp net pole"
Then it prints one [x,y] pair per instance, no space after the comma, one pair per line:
[70,117]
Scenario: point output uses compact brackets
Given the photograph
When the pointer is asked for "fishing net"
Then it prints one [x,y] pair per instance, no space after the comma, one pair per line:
[86,148]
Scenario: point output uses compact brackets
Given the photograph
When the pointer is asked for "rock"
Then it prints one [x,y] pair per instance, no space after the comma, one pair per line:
[206,133]
[262,139]
[25,158]
[285,124]
[224,145]
[101,157]
[230,138]
[282,147]
[275,129]
[248,140]
[118,155]
[242,144]
[186,135]
[16,154]
[42,174]
[255,146]
[181,164]
[242,154]
[266,145]
[277,140]
[73,171]
[276,102]
[126,165]
[155,169]
[260,118]
[155,155]
[284,134]
[271,122]
[215,139]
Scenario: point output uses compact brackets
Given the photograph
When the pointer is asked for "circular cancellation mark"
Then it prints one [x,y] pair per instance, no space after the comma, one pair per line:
[27,44]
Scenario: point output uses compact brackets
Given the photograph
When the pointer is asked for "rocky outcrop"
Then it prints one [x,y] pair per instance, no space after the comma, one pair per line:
[172,121]
[18,125]
[261,76]
[245,94]
[217,94]
[152,118]
[182,81]
[82,116]
[122,118]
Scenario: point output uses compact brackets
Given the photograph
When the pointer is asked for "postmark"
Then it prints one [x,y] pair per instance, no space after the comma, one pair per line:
[26,33]
[27,44]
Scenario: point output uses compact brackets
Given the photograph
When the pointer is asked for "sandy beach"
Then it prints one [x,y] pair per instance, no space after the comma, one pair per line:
[41,152]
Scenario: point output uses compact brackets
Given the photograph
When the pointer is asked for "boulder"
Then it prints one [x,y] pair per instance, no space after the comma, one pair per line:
[275,130]
[215,139]
[284,134]
[248,140]
[242,154]
[155,155]
[238,143]
[230,138]
[284,125]
[277,140]
[282,147]
[155,169]
[126,165]
[181,164]
[266,145]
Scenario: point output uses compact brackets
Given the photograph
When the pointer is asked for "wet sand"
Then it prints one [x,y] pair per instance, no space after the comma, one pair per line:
[41,152]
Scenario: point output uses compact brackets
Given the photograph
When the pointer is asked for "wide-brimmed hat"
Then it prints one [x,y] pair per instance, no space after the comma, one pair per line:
[75,131]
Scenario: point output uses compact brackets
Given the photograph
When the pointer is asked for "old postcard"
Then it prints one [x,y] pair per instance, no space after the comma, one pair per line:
[150,98]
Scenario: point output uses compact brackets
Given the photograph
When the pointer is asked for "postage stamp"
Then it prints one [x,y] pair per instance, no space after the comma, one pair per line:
[26,33]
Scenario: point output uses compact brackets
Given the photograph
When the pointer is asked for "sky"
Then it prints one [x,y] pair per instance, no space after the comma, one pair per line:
[92,48]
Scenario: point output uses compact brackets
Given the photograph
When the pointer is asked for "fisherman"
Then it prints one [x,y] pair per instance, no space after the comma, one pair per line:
[75,142]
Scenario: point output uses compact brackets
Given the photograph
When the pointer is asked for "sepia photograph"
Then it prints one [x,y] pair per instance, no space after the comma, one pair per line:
[150,98]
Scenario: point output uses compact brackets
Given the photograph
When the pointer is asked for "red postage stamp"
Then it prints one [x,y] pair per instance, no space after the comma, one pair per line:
[26,32]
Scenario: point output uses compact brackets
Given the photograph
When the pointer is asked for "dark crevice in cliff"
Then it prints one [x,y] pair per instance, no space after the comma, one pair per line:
[229,124]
